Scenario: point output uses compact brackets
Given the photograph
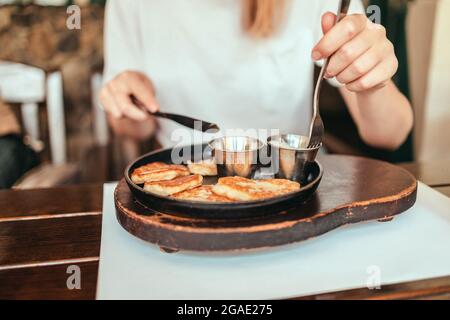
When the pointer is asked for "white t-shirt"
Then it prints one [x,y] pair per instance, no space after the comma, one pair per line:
[203,64]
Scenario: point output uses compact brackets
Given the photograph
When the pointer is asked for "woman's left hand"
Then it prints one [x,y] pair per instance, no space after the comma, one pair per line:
[361,56]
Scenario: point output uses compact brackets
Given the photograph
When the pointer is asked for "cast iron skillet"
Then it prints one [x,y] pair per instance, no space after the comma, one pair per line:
[202,210]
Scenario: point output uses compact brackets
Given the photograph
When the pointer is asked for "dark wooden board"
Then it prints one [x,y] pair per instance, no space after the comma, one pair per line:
[353,190]
[54,201]
[29,241]
[437,288]
[48,281]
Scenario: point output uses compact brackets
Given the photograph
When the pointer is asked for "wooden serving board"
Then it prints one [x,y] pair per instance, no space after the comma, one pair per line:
[353,190]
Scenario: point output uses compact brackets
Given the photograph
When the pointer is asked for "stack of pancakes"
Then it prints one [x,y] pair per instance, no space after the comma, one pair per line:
[185,183]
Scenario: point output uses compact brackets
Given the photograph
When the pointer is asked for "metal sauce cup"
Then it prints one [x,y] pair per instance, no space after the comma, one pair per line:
[236,156]
[291,158]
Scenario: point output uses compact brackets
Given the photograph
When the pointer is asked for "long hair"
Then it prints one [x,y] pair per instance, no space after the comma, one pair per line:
[261,18]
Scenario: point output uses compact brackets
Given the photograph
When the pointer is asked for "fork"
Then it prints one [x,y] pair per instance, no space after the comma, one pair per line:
[317,129]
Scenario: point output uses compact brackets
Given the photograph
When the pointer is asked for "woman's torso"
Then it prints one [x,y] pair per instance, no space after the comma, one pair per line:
[203,64]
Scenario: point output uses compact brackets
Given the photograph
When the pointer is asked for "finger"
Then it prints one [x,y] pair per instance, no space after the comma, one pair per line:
[109,104]
[378,76]
[350,52]
[340,34]
[328,21]
[362,65]
[127,108]
[142,88]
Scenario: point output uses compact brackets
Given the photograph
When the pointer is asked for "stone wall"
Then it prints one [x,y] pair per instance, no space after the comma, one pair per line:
[38,36]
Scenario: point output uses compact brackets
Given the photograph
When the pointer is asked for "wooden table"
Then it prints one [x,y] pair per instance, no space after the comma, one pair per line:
[43,232]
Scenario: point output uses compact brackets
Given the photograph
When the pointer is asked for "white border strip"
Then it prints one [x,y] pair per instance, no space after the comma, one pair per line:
[49,263]
[50,216]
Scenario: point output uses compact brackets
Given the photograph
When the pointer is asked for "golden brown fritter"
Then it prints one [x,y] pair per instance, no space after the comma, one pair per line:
[158,171]
[204,168]
[202,194]
[242,189]
[167,188]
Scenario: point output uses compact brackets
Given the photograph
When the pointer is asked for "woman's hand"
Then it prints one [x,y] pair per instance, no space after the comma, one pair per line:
[362,57]
[115,96]
[125,118]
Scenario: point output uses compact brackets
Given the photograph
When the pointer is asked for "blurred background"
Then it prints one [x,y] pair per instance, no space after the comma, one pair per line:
[53,132]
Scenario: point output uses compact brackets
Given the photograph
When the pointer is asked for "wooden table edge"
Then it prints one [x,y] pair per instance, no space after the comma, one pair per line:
[397,291]
[420,289]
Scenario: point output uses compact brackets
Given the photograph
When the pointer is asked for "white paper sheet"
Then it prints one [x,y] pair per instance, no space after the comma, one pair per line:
[414,246]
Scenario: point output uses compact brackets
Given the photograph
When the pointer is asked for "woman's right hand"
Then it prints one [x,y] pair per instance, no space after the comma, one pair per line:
[115,96]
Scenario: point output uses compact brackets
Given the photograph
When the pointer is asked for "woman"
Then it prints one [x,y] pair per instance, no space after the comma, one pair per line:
[248,64]
[15,157]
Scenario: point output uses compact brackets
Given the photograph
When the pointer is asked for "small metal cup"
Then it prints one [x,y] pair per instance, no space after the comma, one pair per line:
[291,157]
[236,156]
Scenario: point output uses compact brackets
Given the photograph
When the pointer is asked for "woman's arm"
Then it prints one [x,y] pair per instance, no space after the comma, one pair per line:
[364,61]
[123,48]
[383,115]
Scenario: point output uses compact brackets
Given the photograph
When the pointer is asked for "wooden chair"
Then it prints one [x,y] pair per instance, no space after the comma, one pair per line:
[31,87]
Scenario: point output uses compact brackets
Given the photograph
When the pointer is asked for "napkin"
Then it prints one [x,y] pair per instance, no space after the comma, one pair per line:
[413,246]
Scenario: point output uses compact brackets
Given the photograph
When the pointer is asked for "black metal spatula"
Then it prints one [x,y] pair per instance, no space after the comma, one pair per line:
[183,120]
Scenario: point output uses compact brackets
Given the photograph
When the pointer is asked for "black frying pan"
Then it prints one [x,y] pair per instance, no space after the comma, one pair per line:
[205,210]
